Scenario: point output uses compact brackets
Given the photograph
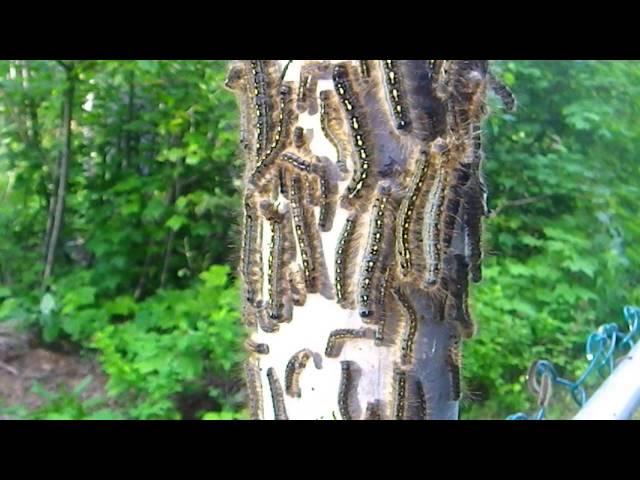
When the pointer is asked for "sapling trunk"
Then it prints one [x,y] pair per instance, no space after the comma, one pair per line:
[362,221]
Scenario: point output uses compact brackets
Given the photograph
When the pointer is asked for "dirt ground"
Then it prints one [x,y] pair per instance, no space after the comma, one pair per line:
[23,362]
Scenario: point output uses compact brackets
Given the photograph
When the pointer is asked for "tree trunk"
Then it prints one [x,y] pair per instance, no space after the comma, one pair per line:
[362,222]
[63,173]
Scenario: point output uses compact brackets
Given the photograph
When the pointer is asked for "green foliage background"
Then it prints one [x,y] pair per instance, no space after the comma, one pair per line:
[155,169]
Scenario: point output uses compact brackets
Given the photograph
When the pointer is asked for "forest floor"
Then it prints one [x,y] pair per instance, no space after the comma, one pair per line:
[23,362]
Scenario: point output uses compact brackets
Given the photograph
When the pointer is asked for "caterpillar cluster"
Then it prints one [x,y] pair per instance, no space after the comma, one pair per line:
[406,184]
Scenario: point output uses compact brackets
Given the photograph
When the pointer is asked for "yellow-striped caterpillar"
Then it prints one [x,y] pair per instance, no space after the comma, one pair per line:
[236,81]
[282,134]
[399,393]
[254,388]
[254,347]
[411,327]
[337,337]
[352,106]
[332,124]
[405,232]
[373,411]
[300,224]
[344,391]
[345,262]
[395,94]
[277,397]
[377,245]
[324,170]
[474,209]
[265,75]
[251,255]
[296,162]
[296,364]
[279,248]
[422,405]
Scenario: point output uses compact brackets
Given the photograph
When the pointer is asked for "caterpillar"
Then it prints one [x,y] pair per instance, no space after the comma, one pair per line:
[456,306]
[254,388]
[265,80]
[251,255]
[400,393]
[454,363]
[404,227]
[344,391]
[432,219]
[373,411]
[265,323]
[254,347]
[296,364]
[276,266]
[345,262]
[333,128]
[296,162]
[396,98]
[310,73]
[236,81]
[282,134]
[504,94]
[277,397]
[302,234]
[474,209]
[352,106]
[381,301]
[375,249]
[411,328]
[297,287]
[328,193]
[423,407]
[283,180]
[337,337]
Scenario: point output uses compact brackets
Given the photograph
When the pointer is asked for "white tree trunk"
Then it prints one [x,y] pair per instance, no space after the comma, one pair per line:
[391,348]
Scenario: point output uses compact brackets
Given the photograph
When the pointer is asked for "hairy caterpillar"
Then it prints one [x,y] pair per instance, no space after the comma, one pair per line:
[332,125]
[502,91]
[286,119]
[265,323]
[411,327]
[456,306]
[328,193]
[373,411]
[236,81]
[396,98]
[423,407]
[377,245]
[345,262]
[300,224]
[352,106]
[297,287]
[404,228]
[296,162]
[474,209]
[251,255]
[254,347]
[310,73]
[279,248]
[381,301]
[454,363]
[399,393]
[254,388]
[283,180]
[337,337]
[277,397]
[296,364]
[346,386]
[265,75]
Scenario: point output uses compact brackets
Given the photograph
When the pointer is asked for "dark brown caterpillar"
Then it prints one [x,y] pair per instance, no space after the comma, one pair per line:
[411,326]
[236,81]
[502,91]
[251,255]
[454,362]
[399,393]
[395,94]
[382,305]
[345,262]
[296,364]
[373,411]
[310,73]
[328,180]
[277,397]
[456,306]
[254,347]
[254,388]
[265,323]
[265,75]
[297,287]
[344,391]
[337,337]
